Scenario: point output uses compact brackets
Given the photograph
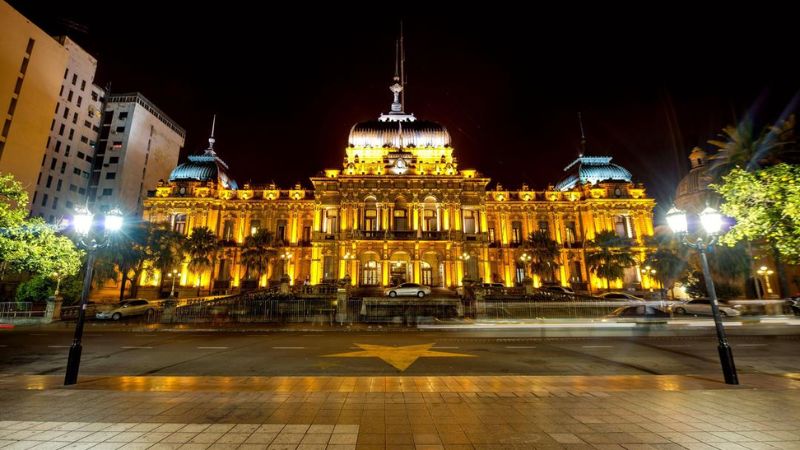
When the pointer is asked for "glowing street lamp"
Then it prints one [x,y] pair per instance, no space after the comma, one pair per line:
[711,221]
[526,259]
[347,258]
[765,272]
[173,275]
[286,257]
[83,223]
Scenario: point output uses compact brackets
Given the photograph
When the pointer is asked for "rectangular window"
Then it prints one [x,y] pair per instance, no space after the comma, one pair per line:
[572,232]
[80,100]
[18,86]
[111,175]
[6,127]
[94,96]
[81,191]
[24,67]
[88,158]
[12,106]
[280,235]
[123,115]
[117,144]
[76,171]
[87,124]
[74,78]
[39,179]
[75,118]
[49,181]
[516,232]
[73,188]
[227,230]
[69,96]
[53,163]
[71,133]
[69,204]
[66,113]
[55,202]
[44,200]
[255,225]
[307,234]
[80,155]
[469,221]
[58,185]
[113,160]
[58,146]
[492,237]
[121,129]
[83,86]
[66,152]
[63,167]
[29,48]
[107,191]
[84,139]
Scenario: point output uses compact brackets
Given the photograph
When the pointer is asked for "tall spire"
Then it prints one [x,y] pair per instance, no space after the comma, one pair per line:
[402,69]
[583,135]
[211,139]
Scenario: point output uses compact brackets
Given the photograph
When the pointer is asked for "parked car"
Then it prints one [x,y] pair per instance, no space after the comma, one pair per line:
[127,308]
[412,289]
[702,306]
[619,296]
[639,311]
[558,289]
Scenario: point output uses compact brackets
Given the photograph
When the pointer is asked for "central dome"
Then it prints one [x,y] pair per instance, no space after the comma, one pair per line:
[398,134]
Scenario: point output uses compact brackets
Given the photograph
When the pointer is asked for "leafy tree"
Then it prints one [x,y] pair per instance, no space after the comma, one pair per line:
[744,148]
[695,284]
[201,247]
[669,266]
[766,207]
[257,252]
[30,244]
[41,287]
[608,255]
[164,248]
[543,252]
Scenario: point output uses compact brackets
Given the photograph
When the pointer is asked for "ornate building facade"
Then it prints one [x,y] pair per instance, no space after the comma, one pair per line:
[400,209]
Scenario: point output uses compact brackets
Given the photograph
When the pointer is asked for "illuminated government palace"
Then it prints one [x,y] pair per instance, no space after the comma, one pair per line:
[400,209]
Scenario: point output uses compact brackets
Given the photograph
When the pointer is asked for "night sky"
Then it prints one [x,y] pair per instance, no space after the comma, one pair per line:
[288,85]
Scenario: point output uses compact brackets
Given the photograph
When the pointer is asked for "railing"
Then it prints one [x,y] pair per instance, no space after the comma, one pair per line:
[19,310]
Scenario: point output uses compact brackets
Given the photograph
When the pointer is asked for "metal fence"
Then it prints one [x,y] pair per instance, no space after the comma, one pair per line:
[19,310]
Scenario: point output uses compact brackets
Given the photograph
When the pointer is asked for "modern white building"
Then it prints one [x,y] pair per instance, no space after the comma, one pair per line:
[67,164]
[138,145]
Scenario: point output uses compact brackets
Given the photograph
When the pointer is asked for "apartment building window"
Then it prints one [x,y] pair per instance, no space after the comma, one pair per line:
[111,175]
[66,72]
[73,188]
[53,163]
[55,203]
[88,158]
[84,139]
[52,124]
[107,191]
[74,78]
[87,124]
[63,167]
[29,48]
[44,159]
[66,113]
[61,130]
[69,96]
[123,115]
[49,181]
[71,133]
[113,160]
[82,191]
[24,67]
[121,129]
[80,155]
[66,152]
[69,204]
[58,146]
[12,106]
[6,127]
[44,200]
[58,185]
[94,96]
[75,118]
[516,232]
[80,100]
[85,174]
[76,171]
[83,86]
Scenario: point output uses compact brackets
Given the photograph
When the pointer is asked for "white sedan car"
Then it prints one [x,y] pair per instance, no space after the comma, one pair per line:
[702,306]
[412,289]
[127,308]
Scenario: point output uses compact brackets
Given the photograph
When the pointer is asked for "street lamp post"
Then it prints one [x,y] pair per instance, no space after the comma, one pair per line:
[526,259]
[347,258]
[712,222]
[766,273]
[83,224]
[173,275]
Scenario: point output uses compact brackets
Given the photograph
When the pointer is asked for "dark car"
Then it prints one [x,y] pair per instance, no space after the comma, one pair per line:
[638,311]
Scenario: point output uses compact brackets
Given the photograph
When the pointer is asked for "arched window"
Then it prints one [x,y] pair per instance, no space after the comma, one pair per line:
[430,215]
[400,215]
[370,215]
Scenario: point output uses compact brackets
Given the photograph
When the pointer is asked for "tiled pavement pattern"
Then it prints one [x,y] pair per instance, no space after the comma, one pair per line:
[623,412]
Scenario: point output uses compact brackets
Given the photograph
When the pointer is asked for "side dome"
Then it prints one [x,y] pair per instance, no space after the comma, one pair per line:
[592,170]
[204,168]
[397,134]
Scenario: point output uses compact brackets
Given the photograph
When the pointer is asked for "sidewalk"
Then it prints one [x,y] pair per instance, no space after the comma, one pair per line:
[450,412]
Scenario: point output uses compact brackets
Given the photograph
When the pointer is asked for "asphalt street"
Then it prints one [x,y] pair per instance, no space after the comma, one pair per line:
[243,353]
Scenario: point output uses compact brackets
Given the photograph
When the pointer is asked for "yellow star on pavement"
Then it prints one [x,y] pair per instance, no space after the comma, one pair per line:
[401,358]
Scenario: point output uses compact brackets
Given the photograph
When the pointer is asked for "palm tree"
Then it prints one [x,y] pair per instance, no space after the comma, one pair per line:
[742,146]
[543,253]
[608,255]
[164,248]
[201,247]
[258,251]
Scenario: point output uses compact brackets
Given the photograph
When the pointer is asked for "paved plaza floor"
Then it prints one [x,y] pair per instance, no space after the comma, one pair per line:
[402,412]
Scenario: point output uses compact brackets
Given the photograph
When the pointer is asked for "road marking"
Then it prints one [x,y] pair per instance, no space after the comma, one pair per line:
[142,335]
[442,347]
[211,348]
[134,347]
[287,348]
[751,345]
[520,346]
[58,346]
[675,345]
[597,346]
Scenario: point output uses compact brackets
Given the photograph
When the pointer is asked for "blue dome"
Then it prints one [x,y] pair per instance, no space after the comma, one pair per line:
[592,170]
[204,168]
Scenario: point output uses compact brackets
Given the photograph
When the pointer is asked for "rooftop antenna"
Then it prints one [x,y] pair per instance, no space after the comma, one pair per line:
[583,135]
[211,139]
[402,68]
